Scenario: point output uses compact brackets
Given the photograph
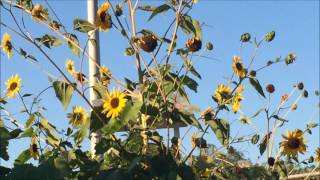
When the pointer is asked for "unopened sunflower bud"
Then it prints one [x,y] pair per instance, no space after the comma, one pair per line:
[209,46]
[300,85]
[270,88]
[119,10]
[194,44]
[245,37]
[148,43]
[269,63]
[305,93]
[294,107]
[253,73]
[270,36]
[201,143]
[290,58]
[271,161]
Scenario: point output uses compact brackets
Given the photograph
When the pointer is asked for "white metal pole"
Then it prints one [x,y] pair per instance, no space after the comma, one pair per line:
[94,52]
[176,131]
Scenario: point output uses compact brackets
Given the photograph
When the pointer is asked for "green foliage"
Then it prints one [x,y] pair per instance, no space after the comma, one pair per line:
[63,92]
[221,128]
[255,83]
[160,9]
[49,41]
[83,25]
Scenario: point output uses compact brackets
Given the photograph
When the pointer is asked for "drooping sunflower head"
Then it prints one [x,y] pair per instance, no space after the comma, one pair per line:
[80,78]
[103,20]
[78,117]
[114,104]
[223,94]
[39,13]
[317,155]
[13,86]
[194,44]
[105,75]
[238,67]
[34,148]
[207,114]
[293,143]
[148,43]
[7,45]
[70,66]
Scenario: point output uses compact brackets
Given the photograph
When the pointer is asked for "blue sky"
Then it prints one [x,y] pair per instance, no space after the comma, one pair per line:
[297,30]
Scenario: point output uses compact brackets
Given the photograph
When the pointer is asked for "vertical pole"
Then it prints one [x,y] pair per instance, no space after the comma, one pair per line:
[176,131]
[94,52]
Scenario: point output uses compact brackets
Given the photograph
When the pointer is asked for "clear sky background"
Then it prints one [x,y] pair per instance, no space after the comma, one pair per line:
[297,30]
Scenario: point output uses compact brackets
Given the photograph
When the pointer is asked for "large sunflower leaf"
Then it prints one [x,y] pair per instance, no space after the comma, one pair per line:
[83,25]
[255,83]
[63,92]
[130,112]
[221,128]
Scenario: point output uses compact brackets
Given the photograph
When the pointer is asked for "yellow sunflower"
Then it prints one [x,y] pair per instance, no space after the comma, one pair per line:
[114,104]
[39,13]
[237,98]
[13,86]
[70,66]
[6,44]
[317,157]
[78,117]
[223,94]
[34,148]
[105,75]
[238,67]
[103,20]
[80,78]
[293,143]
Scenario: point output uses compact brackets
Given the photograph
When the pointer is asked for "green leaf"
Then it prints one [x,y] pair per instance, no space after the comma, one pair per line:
[255,139]
[30,120]
[27,133]
[190,83]
[255,83]
[74,44]
[186,24]
[147,8]
[257,113]
[279,118]
[23,157]
[49,41]
[197,27]
[281,169]
[312,125]
[4,147]
[81,134]
[159,9]
[221,128]
[263,143]
[63,92]
[130,112]
[4,133]
[15,133]
[83,25]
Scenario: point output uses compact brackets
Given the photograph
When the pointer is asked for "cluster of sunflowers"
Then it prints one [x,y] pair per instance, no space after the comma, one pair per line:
[157,90]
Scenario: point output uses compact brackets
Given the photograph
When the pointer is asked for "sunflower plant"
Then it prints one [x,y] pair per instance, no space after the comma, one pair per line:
[124,117]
